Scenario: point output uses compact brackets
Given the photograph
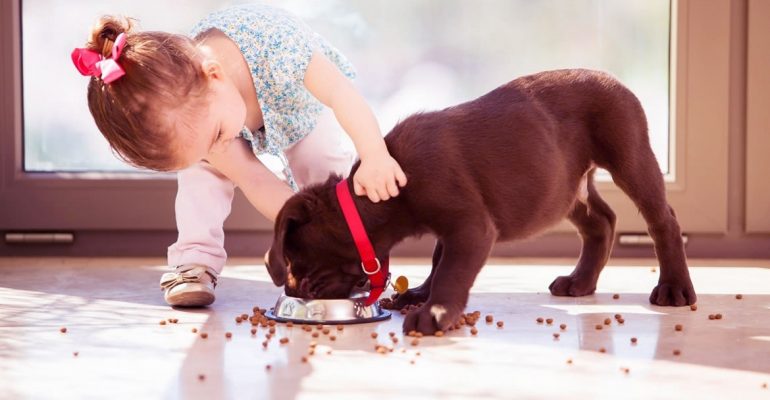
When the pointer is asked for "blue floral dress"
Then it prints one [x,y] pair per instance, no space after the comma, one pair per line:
[277,47]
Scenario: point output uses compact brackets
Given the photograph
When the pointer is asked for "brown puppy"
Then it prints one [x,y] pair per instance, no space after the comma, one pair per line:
[502,167]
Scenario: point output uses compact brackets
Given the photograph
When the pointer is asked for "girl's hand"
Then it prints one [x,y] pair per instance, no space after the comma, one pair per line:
[377,176]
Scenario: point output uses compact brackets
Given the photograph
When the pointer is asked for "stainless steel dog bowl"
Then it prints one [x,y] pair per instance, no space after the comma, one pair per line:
[326,311]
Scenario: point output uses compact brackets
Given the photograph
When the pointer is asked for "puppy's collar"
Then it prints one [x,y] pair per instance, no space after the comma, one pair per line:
[376,271]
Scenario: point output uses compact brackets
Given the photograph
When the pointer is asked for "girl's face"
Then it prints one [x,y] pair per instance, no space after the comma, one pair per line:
[213,124]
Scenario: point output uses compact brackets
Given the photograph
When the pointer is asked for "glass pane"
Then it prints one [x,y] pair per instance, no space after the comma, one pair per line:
[410,55]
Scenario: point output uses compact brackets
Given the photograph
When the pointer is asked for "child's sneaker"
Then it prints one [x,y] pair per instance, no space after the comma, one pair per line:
[191,285]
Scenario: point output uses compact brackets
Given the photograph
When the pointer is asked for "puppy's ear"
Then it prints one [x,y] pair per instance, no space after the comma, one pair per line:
[293,214]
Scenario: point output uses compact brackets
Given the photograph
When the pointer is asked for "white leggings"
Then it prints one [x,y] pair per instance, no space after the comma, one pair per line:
[204,195]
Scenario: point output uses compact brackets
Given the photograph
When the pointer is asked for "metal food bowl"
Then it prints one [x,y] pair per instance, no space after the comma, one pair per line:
[327,311]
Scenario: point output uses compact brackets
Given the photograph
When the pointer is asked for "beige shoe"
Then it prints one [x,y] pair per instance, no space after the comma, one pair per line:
[191,285]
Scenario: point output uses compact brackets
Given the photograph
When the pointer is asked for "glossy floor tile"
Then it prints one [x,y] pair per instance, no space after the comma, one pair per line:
[112,310]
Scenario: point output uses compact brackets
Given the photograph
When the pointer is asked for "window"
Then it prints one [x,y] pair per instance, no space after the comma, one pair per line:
[58,173]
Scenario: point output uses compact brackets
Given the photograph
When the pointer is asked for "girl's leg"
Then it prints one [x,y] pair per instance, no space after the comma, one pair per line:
[322,152]
[203,202]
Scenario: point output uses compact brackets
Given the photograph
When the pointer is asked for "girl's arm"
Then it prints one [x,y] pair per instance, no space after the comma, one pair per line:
[379,175]
[265,191]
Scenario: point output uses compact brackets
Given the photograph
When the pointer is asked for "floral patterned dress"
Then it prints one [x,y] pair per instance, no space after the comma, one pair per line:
[277,47]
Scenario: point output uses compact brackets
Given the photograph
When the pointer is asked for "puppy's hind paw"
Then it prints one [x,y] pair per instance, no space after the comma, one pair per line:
[670,294]
[571,286]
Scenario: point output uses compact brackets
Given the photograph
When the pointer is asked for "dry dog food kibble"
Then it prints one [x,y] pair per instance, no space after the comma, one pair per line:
[569,361]
[678,327]
[415,342]
[474,331]
[238,320]
[201,377]
[718,316]
[441,333]
[264,344]
[563,326]
[267,367]
[489,319]
[340,327]
[374,335]
[677,352]
[598,327]
[253,331]
[289,324]
[163,322]
[194,330]
[549,321]
[500,324]
[63,330]
[712,316]
[602,350]
[615,296]
[228,335]
[304,359]
[633,340]
[326,331]
[607,321]
[314,334]
[539,320]
[738,296]
[75,354]
[694,307]
[332,338]
[284,340]
[621,321]
[204,335]
[555,335]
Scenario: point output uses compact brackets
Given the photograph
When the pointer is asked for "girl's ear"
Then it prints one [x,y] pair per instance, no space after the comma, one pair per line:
[212,69]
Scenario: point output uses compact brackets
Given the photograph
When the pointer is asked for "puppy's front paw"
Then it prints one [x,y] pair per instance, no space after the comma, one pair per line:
[572,286]
[673,294]
[412,296]
[431,317]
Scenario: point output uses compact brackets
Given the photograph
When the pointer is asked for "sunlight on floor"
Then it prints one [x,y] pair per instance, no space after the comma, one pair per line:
[112,311]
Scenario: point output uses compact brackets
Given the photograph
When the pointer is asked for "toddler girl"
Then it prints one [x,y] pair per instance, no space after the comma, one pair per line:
[250,80]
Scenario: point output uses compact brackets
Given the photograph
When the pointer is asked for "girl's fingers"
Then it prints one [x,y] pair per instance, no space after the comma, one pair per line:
[401,177]
[358,188]
[392,187]
[373,196]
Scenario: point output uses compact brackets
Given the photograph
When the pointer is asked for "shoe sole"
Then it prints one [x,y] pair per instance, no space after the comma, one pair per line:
[191,299]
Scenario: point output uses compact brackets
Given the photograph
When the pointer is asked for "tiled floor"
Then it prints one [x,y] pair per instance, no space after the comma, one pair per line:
[112,308]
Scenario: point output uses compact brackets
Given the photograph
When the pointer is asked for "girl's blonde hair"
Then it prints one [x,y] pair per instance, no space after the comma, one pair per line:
[162,73]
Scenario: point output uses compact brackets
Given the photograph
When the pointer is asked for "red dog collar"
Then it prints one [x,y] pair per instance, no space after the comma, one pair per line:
[376,272]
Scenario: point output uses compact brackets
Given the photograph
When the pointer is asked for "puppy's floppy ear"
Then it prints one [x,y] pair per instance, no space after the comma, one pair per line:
[293,214]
